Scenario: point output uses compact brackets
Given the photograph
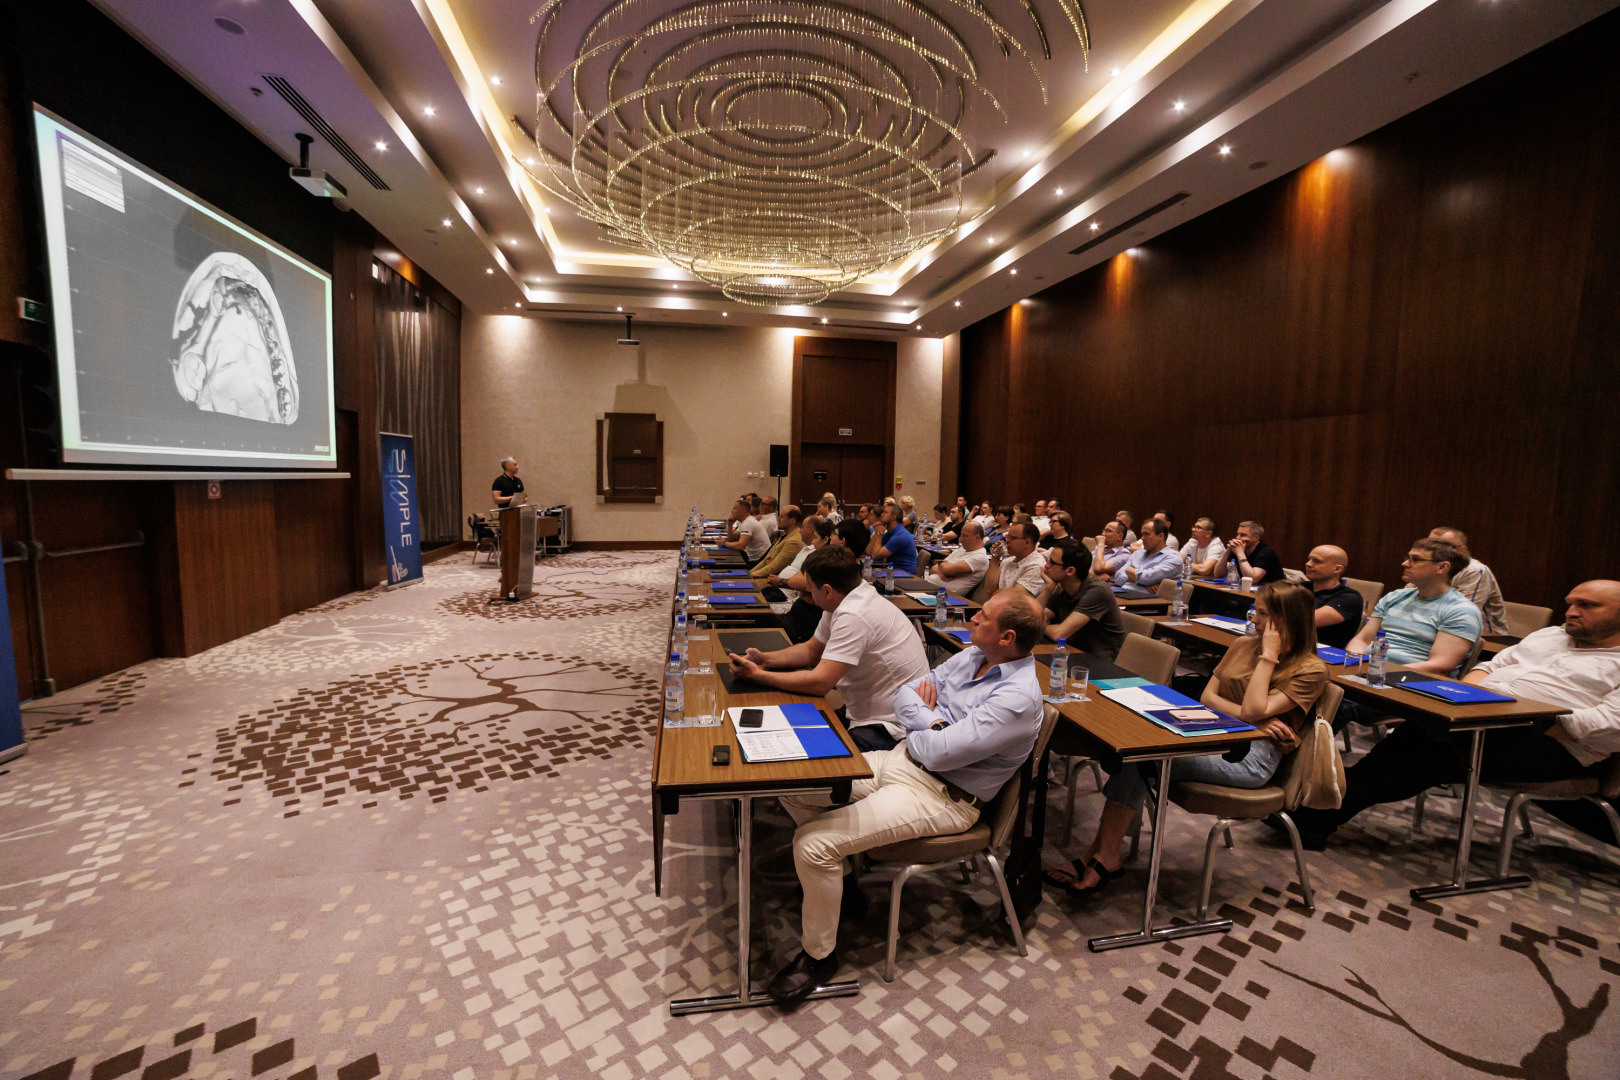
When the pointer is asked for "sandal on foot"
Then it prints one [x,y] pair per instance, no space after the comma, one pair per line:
[1104,877]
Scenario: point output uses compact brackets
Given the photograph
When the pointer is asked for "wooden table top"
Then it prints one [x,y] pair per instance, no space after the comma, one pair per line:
[1142,605]
[1402,702]
[1238,592]
[681,756]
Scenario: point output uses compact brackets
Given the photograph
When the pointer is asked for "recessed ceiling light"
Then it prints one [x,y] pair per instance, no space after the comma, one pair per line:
[1026,153]
[428,110]
[381,145]
[725,314]
[619,309]
[1114,73]
[1179,105]
[917,327]
[1225,150]
[447,223]
[1095,226]
[823,322]
[495,80]
[517,305]
[1013,271]
[489,270]
[478,191]
[1060,191]
[989,239]
[957,303]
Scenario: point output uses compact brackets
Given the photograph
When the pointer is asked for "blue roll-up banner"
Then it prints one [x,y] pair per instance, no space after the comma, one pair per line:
[401,523]
[11,732]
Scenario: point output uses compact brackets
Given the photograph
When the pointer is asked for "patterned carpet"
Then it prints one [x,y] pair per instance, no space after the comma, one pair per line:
[408,835]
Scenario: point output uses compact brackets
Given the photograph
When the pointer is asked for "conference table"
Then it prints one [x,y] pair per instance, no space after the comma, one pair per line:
[683,771]
[1117,735]
[1472,720]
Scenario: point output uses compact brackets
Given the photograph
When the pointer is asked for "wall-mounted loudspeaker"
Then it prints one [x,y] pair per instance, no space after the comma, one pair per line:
[779,455]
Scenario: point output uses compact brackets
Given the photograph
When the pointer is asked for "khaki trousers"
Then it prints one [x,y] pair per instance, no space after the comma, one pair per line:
[900,802]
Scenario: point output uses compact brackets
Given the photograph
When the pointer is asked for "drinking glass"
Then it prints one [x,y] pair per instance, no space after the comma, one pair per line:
[1079,677]
[700,627]
[700,708]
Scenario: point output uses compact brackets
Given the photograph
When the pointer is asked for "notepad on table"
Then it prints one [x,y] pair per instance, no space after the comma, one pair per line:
[733,600]
[1223,622]
[796,732]
[1177,712]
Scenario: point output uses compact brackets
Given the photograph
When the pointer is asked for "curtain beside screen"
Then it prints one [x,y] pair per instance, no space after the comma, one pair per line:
[419,394]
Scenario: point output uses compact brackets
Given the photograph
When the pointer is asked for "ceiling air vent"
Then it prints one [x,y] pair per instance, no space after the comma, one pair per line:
[303,108]
[1104,237]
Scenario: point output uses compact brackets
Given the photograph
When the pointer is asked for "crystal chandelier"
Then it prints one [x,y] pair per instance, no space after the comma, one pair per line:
[777,149]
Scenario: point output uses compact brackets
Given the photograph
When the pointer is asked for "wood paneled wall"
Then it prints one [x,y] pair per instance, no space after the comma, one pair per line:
[839,385]
[1422,328]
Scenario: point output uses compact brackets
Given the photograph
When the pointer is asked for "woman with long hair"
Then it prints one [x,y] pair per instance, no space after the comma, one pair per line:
[1270,680]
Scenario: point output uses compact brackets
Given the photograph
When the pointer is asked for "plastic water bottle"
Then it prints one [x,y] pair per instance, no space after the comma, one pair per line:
[1186,568]
[680,602]
[1231,573]
[1249,628]
[941,606]
[674,689]
[1057,686]
[682,635]
[1178,606]
[1378,660]
[866,568]
[681,576]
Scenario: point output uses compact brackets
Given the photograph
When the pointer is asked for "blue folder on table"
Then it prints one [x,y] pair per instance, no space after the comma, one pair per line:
[1330,655]
[701,562]
[1455,692]
[951,600]
[1210,581]
[736,600]
[958,633]
[726,573]
[733,586]
[814,733]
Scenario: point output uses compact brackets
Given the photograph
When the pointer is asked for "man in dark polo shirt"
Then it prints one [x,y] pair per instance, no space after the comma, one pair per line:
[507,484]
[1080,606]
[1338,606]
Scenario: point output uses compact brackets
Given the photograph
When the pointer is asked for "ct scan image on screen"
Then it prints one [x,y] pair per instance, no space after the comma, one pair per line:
[182,336]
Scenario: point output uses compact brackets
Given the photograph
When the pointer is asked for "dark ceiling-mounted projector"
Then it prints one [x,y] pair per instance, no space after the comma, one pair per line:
[628,339]
[315,183]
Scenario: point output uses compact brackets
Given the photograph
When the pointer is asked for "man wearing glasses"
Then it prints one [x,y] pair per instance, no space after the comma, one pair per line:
[1429,625]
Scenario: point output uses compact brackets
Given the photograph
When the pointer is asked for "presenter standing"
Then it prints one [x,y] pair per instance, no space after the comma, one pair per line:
[507,484]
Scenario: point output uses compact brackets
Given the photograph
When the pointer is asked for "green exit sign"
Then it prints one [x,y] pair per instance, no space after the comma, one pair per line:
[32,310]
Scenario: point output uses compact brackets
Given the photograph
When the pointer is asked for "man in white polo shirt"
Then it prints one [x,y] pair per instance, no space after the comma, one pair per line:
[746,534]
[1018,560]
[863,646]
[962,570]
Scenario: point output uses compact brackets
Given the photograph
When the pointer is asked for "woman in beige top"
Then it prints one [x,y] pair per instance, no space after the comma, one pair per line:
[1270,680]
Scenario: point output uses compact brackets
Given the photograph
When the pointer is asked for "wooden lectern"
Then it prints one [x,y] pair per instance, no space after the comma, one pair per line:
[517,552]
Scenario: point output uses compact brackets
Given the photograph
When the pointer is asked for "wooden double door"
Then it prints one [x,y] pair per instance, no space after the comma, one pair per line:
[843,419]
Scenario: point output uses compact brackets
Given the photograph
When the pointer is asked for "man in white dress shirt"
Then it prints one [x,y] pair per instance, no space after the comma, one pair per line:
[1018,560]
[863,645]
[962,570]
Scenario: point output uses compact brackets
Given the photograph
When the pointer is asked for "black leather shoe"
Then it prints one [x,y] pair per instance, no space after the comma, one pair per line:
[1310,836]
[795,982]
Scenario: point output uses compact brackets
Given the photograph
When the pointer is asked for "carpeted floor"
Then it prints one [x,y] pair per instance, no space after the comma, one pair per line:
[408,834]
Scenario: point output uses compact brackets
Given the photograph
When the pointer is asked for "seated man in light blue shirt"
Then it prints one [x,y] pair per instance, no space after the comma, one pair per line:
[1144,570]
[971,724]
[1111,552]
[1429,625]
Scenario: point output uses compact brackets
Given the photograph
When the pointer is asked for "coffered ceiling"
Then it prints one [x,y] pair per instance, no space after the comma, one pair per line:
[1180,106]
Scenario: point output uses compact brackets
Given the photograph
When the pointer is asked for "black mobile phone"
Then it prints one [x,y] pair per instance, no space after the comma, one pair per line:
[752,718]
[721,755]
